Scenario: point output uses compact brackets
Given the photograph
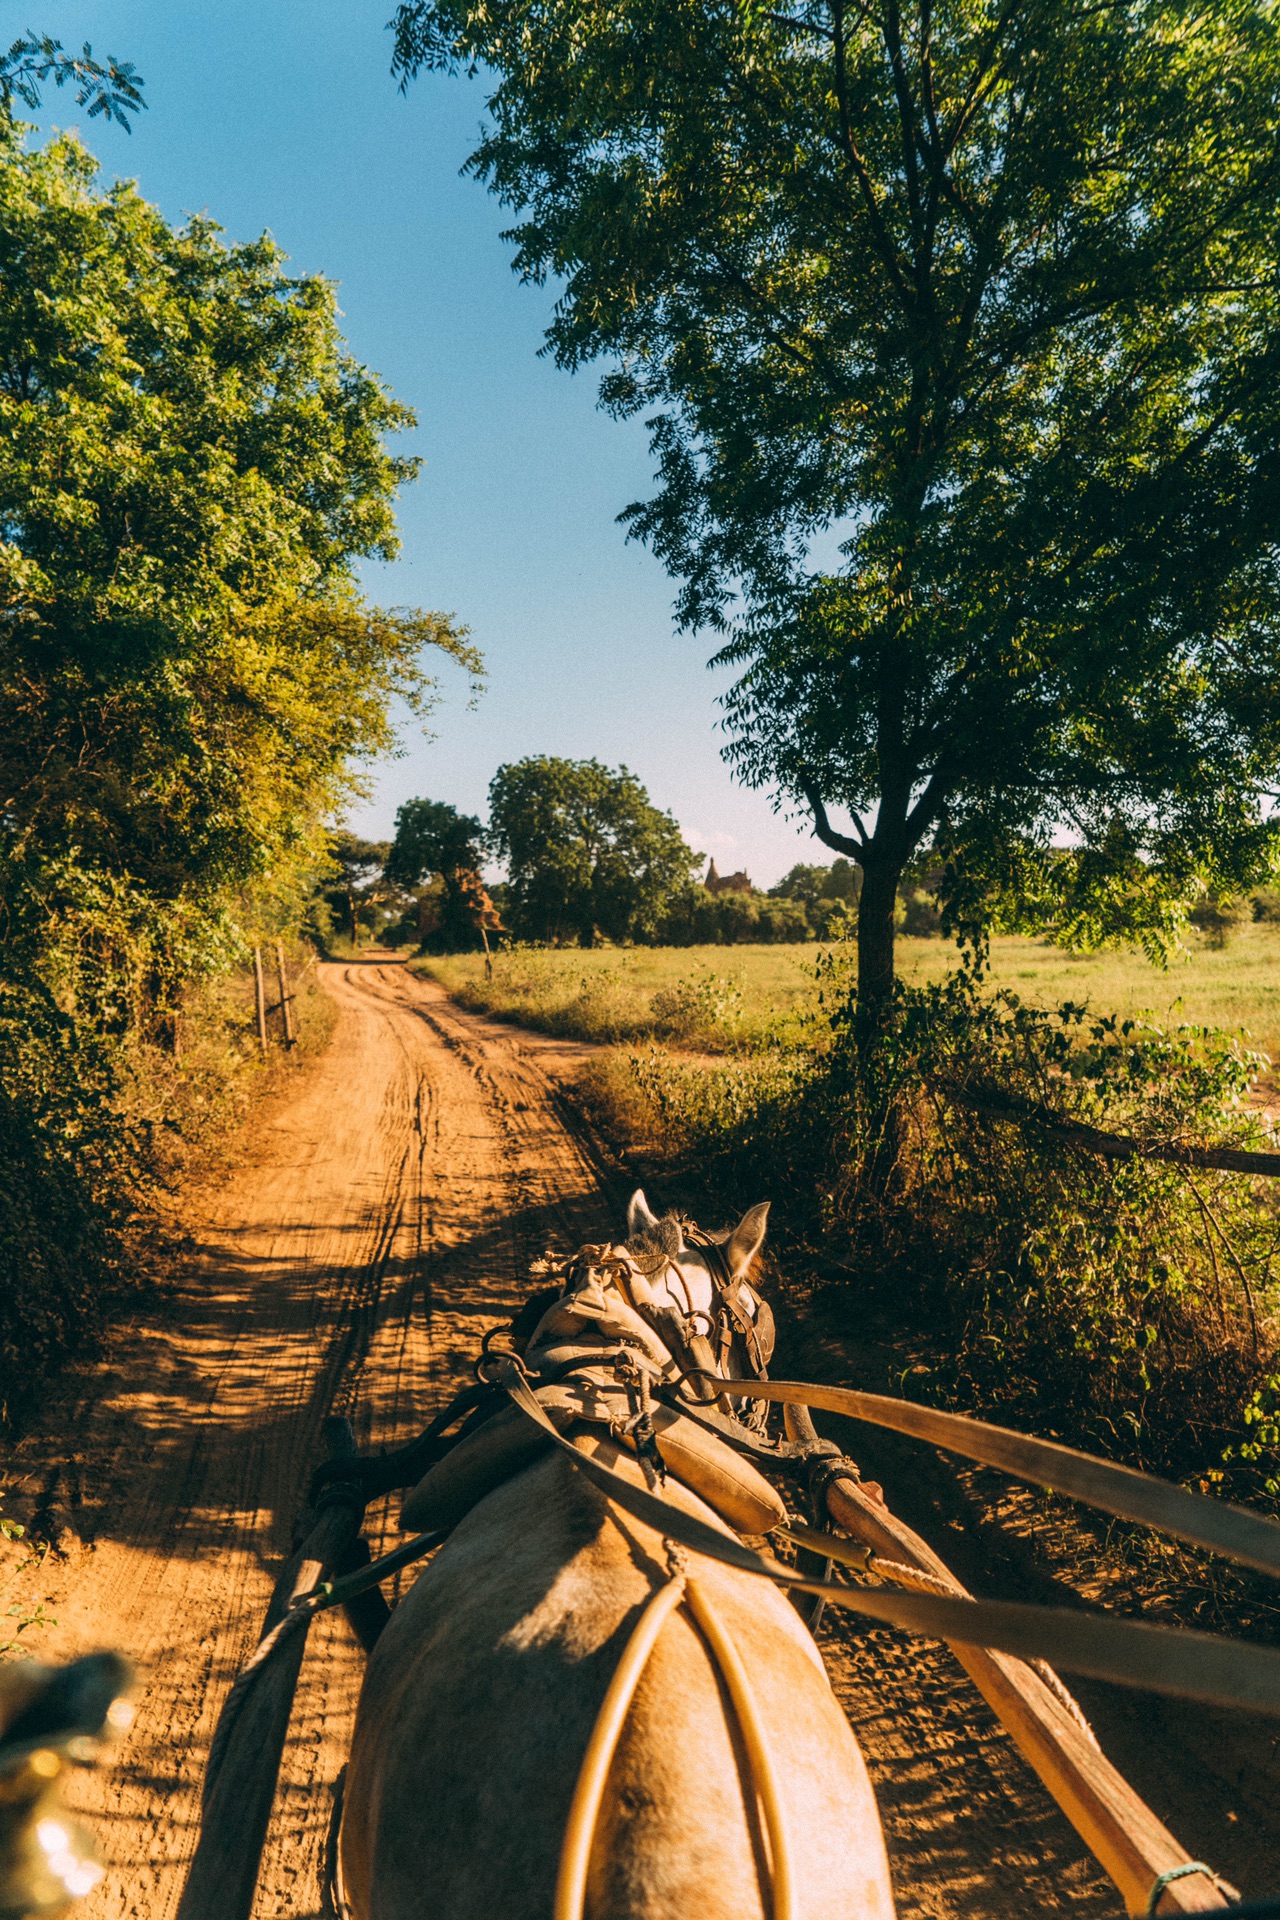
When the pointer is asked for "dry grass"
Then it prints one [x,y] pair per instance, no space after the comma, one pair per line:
[718,999]
[730,997]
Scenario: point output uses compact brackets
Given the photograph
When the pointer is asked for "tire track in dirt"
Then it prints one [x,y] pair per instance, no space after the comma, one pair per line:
[388,1217]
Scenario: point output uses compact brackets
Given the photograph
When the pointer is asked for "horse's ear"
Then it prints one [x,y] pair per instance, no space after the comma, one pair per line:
[639,1218]
[747,1238]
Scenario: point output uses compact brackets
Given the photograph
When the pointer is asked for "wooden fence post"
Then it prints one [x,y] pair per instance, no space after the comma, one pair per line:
[260,1000]
[283,977]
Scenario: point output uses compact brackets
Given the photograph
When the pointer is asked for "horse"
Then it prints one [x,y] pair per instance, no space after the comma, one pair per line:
[486,1688]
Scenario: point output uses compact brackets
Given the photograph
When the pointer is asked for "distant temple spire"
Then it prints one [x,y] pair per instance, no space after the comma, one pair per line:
[727,882]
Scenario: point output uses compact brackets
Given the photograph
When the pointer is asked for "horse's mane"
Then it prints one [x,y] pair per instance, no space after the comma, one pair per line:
[667,1235]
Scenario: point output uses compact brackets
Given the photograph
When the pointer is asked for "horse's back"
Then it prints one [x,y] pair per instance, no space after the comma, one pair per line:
[481,1697]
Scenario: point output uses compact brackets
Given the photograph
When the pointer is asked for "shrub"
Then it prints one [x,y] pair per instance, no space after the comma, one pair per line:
[68,1182]
[1127,1304]
[1220,916]
[700,1004]
[921,914]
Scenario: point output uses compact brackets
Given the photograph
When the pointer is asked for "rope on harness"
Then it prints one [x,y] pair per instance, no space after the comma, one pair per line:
[584,1810]
[1164,1880]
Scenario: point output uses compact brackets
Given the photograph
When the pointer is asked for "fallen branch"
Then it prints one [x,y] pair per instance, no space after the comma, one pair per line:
[1113,1146]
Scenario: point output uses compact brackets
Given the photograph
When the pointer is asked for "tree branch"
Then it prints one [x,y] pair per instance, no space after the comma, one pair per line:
[906,116]
[927,807]
[799,26]
[823,829]
[884,240]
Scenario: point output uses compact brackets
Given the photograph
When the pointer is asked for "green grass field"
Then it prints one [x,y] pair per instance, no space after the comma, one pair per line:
[723,997]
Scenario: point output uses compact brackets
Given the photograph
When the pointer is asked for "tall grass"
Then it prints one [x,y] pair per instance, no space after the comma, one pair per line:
[607,994]
[712,999]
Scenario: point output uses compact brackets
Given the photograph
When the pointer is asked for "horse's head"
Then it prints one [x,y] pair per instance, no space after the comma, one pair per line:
[711,1316]
[699,1264]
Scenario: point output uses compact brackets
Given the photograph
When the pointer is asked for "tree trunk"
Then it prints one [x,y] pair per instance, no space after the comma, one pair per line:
[877,905]
[876,935]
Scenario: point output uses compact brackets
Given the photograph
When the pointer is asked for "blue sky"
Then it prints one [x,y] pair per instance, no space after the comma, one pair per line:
[283,115]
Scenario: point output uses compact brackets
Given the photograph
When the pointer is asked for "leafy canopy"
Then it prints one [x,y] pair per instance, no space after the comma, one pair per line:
[955,323]
[190,462]
[113,90]
[840,881]
[433,839]
[587,852]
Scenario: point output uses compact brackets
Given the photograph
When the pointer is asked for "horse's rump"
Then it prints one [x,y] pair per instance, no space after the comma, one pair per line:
[480,1701]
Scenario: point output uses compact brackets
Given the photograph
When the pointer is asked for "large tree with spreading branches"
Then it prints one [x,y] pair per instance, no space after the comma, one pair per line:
[956,324]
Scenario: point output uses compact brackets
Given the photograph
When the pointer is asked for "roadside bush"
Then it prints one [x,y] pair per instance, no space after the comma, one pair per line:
[699,1006]
[68,1181]
[1127,1304]
[124,1056]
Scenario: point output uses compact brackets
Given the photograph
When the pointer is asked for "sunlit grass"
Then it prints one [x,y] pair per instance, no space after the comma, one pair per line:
[1236,987]
[608,993]
[709,997]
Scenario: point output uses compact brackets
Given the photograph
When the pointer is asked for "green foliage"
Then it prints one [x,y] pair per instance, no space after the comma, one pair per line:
[638,993]
[191,464]
[829,896]
[810,902]
[694,917]
[113,91]
[588,854]
[1130,1305]
[698,1004]
[68,1191]
[1218,916]
[840,881]
[360,894]
[433,838]
[435,842]
[981,292]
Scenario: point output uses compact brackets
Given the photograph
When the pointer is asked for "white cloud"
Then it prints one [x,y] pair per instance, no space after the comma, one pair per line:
[718,844]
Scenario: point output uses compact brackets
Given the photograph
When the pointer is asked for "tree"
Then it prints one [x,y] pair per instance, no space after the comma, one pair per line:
[360,868]
[434,841]
[955,323]
[840,881]
[190,464]
[587,852]
[433,838]
[829,895]
[113,90]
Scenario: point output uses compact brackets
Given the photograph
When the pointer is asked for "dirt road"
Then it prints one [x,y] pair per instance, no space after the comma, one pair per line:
[386,1218]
